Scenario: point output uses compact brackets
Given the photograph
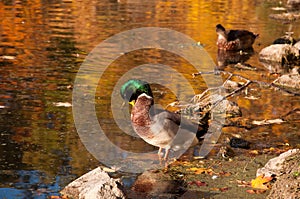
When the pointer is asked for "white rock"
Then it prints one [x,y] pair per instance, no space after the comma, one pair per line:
[274,165]
[96,184]
[297,45]
[279,53]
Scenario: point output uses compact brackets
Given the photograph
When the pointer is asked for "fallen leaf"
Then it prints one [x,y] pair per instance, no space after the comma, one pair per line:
[265,122]
[201,170]
[224,173]
[62,104]
[273,150]
[222,189]
[58,197]
[198,183]
[214,189]
[242,183]
[254,152]
[181,163]
[278,8]
[8,57]
[251,191]
[261,182]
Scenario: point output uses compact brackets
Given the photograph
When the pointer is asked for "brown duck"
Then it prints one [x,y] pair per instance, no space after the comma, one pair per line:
[233,40]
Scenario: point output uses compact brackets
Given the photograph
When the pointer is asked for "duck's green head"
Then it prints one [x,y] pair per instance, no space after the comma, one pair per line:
[133,88]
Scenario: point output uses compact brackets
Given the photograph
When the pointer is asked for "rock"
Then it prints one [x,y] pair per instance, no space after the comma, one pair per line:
[275,67]
[152,184]
[289,81]
[285,16]
[244,66]
[274,166]
[231,109]
[293,4]
[297,45]
[295,71]
[280,53]
[96,184]
[287,185]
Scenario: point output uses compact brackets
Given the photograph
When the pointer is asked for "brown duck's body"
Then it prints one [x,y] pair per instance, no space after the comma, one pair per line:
[161,128]
[234,39]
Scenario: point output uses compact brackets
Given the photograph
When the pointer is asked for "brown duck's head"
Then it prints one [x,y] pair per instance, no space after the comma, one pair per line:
[144,100]
[220,28]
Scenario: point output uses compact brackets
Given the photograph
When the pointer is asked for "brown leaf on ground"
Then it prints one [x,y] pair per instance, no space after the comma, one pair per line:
[275,151]
[257,191]
[242,183]
[198,183]
[261,182]
[181,163]
[58,197]
[222,189]
[200,170]
[254,152]
[224,173]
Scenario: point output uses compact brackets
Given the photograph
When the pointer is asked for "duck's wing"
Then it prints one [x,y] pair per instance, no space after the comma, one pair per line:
[182,131]
[242,39]
[173,122]
[241,35]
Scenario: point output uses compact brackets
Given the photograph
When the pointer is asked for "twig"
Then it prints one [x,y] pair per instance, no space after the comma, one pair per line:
[283,89]
[230,94]
[290,112]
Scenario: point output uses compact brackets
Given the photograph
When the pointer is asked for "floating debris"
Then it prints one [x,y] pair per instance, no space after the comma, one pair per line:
[63,104]
[8,57]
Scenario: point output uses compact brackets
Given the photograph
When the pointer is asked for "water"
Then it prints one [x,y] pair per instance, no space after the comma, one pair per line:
[43,44]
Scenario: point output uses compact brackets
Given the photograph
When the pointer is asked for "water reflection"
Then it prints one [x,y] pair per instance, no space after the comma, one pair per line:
[225,58]
[28,184]
[42,46]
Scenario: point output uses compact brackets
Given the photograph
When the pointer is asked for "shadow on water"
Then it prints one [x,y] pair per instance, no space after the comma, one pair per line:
[225,58]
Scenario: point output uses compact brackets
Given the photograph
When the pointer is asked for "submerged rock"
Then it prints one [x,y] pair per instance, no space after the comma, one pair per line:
[96,184]
[293,4]
[285,16]
[278,58]
[289,81]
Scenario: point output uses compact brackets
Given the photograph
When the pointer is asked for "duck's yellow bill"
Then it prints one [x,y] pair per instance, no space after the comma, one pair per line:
[132,102]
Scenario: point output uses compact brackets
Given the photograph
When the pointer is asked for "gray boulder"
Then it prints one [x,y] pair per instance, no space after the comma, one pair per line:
[274,166]
[280,53]
[96,184]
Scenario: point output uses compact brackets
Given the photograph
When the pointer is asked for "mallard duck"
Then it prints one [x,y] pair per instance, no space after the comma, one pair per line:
[234,39]
[158,127]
